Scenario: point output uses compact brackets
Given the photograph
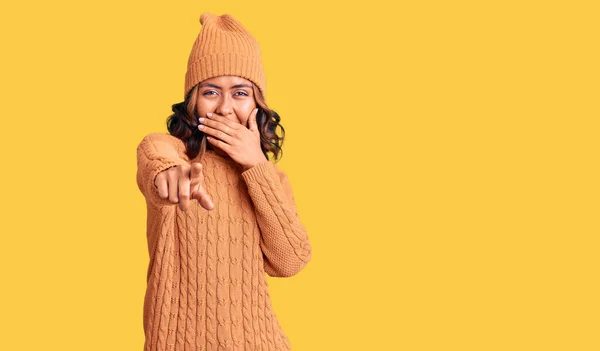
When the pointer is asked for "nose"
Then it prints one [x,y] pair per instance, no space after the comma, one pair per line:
[224,107]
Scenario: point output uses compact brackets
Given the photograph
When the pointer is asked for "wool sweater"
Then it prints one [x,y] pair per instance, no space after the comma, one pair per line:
[206,284]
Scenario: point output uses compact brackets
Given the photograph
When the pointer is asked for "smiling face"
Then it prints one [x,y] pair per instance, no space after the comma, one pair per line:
[227,96]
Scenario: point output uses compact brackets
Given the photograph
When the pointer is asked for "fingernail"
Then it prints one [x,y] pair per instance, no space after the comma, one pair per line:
[201,119]
[209,114]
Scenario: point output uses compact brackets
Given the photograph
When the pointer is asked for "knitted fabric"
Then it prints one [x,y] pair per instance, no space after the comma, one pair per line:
[224,47]
[206,283]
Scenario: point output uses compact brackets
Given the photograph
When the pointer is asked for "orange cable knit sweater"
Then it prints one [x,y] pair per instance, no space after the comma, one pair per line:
[206,284]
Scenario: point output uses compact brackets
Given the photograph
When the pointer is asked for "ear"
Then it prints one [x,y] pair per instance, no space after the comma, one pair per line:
[252,125]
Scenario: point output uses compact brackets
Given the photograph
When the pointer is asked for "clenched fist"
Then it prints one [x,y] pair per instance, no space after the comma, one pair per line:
[181,183]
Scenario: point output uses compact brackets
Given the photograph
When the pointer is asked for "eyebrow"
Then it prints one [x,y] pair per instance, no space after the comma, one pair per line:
[218,87]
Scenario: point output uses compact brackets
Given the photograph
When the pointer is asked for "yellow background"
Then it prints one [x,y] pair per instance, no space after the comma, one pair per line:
[443,154]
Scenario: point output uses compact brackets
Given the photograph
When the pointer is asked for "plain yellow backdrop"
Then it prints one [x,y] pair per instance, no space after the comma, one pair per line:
[443,156]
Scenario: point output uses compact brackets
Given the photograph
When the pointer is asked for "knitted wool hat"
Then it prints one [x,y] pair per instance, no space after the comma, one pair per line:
[224,47]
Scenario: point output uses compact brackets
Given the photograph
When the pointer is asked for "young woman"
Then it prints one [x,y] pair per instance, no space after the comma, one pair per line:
[220,215]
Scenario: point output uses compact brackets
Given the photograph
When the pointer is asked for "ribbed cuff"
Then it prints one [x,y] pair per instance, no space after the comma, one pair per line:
[260,171]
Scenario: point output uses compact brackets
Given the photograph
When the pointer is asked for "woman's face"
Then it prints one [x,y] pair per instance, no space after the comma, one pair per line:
[227,96]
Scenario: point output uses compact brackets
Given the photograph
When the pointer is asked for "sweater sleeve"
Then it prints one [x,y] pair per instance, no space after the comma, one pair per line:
[156,153]
[284,241]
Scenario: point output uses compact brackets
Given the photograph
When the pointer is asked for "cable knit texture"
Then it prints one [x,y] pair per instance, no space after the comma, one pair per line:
[206,280]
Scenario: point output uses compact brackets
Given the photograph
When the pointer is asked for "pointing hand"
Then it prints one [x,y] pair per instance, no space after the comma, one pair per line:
[181,183]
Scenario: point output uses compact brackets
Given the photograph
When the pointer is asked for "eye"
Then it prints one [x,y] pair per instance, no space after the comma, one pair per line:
[243,92]
[209,91]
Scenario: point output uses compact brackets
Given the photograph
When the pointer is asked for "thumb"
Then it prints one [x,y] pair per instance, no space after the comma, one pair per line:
[196,171]
[196,183]
[196,179]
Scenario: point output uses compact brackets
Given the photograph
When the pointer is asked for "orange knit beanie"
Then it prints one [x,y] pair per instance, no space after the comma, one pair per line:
[224,47]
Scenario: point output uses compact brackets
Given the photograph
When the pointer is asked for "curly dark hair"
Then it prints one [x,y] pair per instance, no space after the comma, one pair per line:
[183,124]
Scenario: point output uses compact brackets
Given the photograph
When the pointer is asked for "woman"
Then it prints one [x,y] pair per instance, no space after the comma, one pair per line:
[206,283]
